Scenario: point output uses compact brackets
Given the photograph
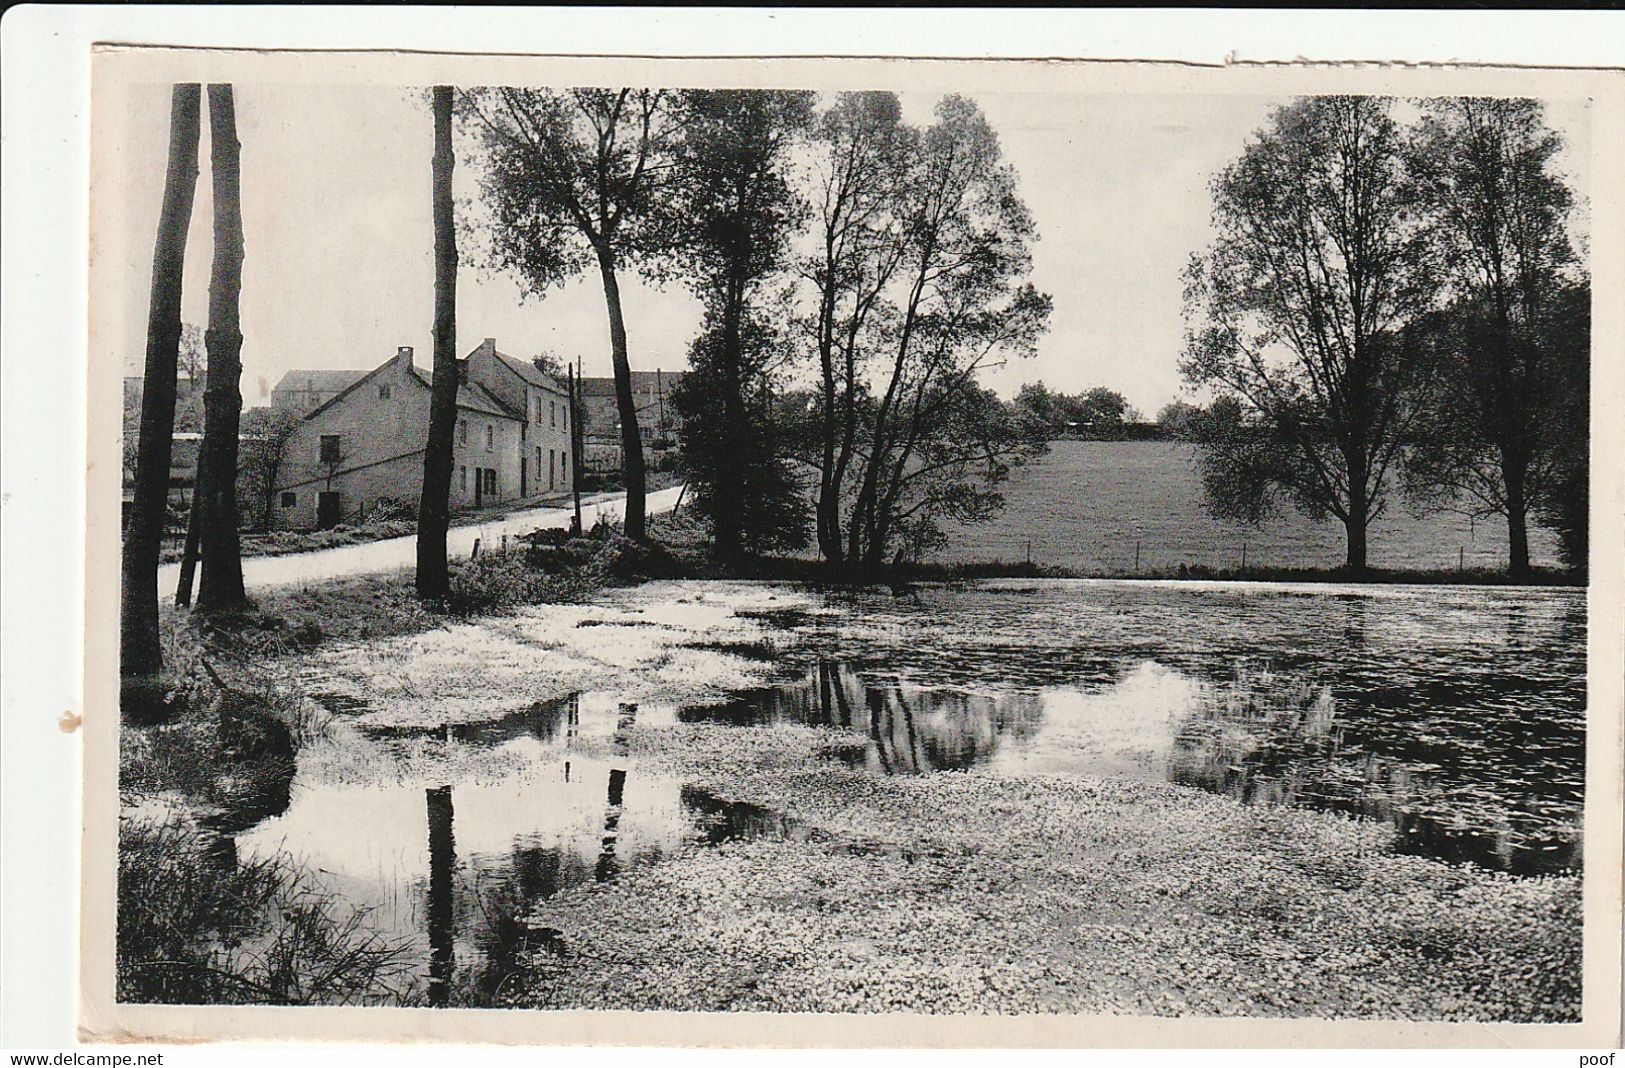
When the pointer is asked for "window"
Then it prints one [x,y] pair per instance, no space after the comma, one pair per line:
[383,391]
[330,448]
[462,431]
[566,413]
[537,408]
[490,480]
[289,500]
[553,412]
[462,479]
[490,437]
[538,461]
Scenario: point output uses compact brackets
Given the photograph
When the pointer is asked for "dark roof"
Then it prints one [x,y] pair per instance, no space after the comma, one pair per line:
[642,381]
[473,396]
[529,372]
[470,395]
[322,380]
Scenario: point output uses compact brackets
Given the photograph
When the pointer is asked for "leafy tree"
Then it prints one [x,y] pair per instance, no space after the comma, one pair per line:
[860,151]
[1045,408]
[1102,408]
[1319,262]
[959,302]
[140,654]
[1497,211]
[955,472]
[1179,419]
[743,439]
[434,504]
[729,229]
[571,179]
[265,434]
[1562,500]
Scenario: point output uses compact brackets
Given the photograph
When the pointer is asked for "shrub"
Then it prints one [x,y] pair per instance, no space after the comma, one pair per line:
[500,580]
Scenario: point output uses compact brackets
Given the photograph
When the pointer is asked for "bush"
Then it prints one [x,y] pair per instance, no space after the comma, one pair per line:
[389,508]
[500,580]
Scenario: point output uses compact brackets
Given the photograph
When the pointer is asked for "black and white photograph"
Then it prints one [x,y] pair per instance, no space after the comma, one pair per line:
[945,541]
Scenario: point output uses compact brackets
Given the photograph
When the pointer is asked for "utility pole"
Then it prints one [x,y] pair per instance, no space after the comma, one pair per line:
[660,393]
[575,441]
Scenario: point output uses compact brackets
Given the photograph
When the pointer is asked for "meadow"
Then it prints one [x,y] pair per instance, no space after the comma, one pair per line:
[1086,505]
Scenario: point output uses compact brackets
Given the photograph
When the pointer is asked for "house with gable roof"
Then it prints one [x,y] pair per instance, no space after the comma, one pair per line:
[543,403]
[363,446]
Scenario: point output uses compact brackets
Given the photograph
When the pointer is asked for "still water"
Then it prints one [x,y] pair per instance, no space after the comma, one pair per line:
[1455,714]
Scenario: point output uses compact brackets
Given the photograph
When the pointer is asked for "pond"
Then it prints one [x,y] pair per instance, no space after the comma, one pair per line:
[1457,714]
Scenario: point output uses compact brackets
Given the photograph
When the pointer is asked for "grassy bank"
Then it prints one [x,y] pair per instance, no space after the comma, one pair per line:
[211,747]
[970,893]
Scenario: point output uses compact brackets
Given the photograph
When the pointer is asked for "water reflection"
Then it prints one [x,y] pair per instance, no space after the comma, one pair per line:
[1457,716]
[1500,789]
[442,862]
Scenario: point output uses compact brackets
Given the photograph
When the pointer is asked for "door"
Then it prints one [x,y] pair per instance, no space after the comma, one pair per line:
[521,476]
[327,509]
[479,486]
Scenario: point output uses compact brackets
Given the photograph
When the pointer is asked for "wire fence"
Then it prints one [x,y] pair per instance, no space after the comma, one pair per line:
[1152,555]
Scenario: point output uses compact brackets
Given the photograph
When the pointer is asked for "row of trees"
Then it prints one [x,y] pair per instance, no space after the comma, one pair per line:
[1099,409]
[887,259]
[1395,305]
[212,528]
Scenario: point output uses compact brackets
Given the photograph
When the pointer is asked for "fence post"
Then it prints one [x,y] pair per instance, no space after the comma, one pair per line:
[504,543]
[1461,558]
[476,551]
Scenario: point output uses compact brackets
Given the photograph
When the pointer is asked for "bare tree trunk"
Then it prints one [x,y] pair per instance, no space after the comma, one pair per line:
[434,506]
[1517,502]
[631,441]
[141,654]
[194,521]
[829,489]
[222,584]
[728,522]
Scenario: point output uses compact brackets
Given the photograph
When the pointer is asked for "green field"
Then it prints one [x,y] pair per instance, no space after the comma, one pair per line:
[1086,504]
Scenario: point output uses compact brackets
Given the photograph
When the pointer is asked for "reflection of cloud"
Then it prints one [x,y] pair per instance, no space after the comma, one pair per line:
[1126,728]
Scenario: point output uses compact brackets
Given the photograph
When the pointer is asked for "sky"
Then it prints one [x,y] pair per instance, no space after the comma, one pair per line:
[338,268]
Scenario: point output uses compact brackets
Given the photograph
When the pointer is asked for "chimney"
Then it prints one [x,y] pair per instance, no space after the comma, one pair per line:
[489,346]
[403,356]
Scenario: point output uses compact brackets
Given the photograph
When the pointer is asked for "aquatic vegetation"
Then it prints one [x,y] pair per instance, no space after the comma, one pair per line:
[734,795]
[196,926]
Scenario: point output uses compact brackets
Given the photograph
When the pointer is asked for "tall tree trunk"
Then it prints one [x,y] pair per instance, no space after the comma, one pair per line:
[434,505]
[631,441]
[140,654]
[1355,525]
[829,487]
[1517,502]
[194,530]
[222,584]
[728,520]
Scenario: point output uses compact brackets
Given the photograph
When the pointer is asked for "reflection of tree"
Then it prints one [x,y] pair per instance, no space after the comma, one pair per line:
[1355,610]
[607,864]
[441,912]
